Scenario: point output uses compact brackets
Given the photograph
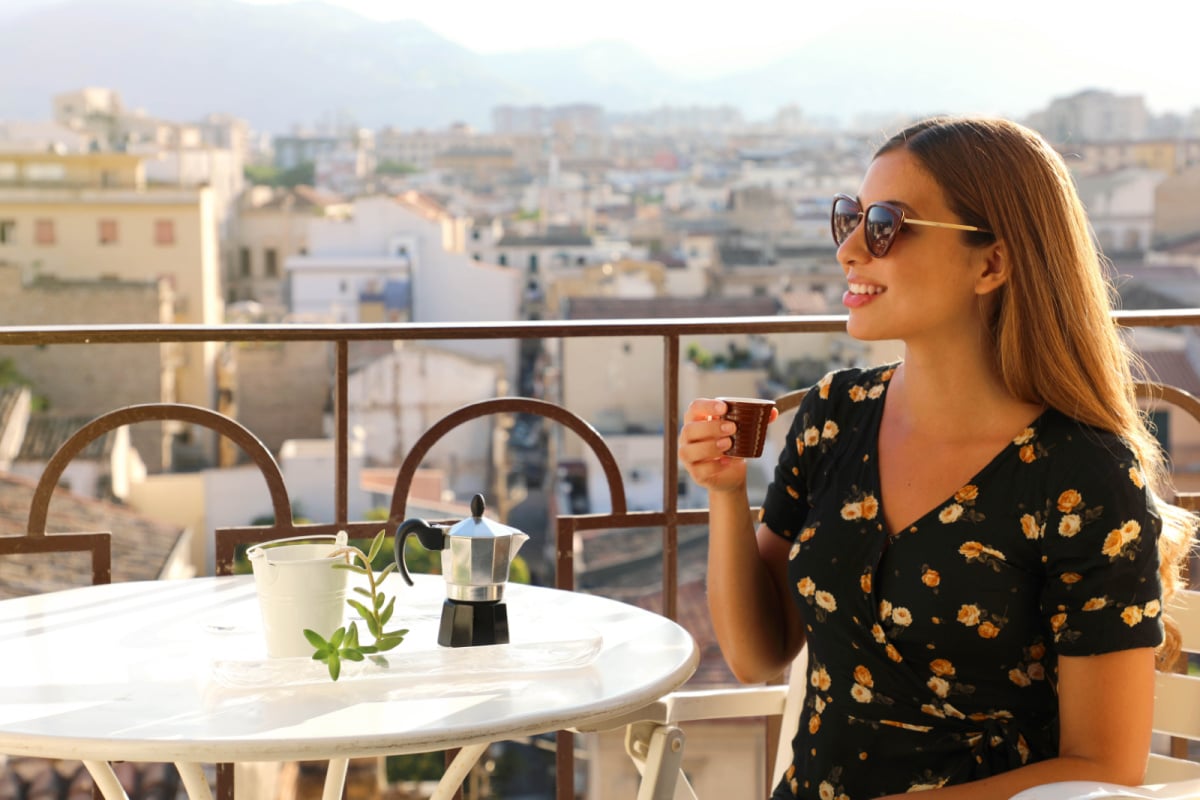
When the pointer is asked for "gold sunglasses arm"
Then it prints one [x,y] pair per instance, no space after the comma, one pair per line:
[951,225]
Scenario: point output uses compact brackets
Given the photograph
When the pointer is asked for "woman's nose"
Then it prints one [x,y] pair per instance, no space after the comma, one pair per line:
[853,249]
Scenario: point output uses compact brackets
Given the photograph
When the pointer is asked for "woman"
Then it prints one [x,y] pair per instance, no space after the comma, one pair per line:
[970,539]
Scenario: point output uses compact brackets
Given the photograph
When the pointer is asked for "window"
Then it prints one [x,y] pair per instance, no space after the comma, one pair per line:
[45,173]
[8,231]
[271,262]
[43,231]
[244,262]
[108,231]
[164,231]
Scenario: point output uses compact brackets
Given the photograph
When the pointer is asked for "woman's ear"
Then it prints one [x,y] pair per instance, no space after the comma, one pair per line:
[994,268]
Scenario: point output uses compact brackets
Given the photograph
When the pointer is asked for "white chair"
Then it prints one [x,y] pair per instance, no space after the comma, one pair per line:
[655,740]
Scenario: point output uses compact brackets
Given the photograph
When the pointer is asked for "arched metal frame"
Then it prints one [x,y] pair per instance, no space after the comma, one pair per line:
[156,412]
[504,405]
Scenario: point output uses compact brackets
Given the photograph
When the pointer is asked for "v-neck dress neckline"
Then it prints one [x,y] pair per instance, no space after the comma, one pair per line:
[1010,449]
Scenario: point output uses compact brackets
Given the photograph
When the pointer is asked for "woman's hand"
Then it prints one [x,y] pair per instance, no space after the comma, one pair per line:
[703,440]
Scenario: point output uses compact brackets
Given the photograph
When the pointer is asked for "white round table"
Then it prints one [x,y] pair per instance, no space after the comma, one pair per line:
[176,671]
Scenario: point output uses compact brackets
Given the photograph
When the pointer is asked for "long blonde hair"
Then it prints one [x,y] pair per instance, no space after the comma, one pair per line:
[1051,324]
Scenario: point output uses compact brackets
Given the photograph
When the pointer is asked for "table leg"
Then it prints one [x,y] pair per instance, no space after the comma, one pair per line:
[456,773]
[106,780]
[335,778]
[194,782]
[657,752]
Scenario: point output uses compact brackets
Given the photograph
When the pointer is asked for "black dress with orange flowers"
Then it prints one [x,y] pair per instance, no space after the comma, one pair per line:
[933,650]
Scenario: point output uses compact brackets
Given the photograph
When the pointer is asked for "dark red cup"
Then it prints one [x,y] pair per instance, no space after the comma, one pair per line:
[751,415]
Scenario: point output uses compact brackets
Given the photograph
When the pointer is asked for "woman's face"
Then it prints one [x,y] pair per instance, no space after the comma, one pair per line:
[927,286]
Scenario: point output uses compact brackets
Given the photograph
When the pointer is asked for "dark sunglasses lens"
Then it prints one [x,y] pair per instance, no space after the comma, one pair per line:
[845,219]
[881,228]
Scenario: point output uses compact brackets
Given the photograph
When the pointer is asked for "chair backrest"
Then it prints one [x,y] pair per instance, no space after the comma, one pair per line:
[1177,699]
[97,545]
[790,721]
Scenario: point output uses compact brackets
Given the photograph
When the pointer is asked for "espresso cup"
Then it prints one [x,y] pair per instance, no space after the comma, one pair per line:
[751,415]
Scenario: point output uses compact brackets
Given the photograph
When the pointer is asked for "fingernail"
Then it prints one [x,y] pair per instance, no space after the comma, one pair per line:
[728,427]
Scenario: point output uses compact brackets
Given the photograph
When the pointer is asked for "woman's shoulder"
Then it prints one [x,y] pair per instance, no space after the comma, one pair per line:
[1064,430]
[854,383]
[1063,442]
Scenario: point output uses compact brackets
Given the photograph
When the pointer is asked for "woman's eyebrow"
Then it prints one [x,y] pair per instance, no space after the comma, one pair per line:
[903,205]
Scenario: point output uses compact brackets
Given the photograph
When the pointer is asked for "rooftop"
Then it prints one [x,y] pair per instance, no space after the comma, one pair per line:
[142,548]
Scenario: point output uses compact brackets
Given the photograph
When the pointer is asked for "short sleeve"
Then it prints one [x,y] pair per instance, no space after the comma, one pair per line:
[1102,591]
[787,502]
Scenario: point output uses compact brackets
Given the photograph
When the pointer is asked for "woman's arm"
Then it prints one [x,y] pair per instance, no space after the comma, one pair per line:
[754,616]
[755,619]
[1105,704]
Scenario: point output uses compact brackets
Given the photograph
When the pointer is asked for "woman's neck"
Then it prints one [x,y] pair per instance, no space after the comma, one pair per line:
[954,395]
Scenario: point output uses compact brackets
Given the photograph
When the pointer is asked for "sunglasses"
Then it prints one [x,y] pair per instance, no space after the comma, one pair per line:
[883,222]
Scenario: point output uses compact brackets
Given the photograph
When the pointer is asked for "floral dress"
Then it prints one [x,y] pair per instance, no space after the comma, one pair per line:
[933,649]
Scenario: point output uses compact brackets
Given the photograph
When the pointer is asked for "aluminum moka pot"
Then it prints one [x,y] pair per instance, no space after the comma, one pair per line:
[476,554]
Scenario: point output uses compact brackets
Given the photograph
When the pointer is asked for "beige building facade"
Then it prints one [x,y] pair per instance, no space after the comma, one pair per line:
[1177,206]
[268,227]
[88,380]
[93,217]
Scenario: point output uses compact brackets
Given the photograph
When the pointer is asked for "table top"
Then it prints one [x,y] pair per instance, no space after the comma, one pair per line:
[177,671]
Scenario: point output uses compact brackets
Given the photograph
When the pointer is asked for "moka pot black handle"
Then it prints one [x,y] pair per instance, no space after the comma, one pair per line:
[430,536]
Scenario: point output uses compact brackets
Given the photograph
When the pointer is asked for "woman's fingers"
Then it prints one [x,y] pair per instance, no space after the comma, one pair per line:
[705,435]
[704,408]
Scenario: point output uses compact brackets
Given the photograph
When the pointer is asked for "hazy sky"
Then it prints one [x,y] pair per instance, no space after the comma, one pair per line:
[1147,46]
[967,56]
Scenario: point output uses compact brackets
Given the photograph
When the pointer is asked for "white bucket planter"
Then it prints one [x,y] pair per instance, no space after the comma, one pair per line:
[299,588]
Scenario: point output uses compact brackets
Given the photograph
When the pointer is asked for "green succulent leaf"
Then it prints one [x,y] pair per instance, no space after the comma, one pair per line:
[387,642]
[335,641]
[335,666]
[362,610]
[387,612]
[388,570]
[376,546]
[352,654]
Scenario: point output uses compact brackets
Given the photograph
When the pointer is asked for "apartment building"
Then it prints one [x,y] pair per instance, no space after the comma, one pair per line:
[92,216]
[269,226]
[396,259]
[1165,155]
[1177,206]
[1120,207]
[579,117]
[418,149]
[211,153]
[81,381]
[1093,115]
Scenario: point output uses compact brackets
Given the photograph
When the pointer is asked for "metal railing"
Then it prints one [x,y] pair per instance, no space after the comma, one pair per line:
[670,332]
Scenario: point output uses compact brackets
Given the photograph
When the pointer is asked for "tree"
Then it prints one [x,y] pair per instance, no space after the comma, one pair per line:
[267,175]
[11,376]
[395,168]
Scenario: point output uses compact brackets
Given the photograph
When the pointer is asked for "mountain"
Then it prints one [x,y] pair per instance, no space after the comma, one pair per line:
[282,65]
[273,65]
